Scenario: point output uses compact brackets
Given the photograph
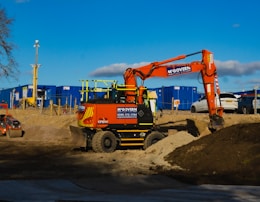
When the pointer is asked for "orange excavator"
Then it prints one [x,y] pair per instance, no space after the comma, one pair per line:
[124,118]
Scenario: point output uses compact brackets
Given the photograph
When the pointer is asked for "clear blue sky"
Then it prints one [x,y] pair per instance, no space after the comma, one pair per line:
[98,39]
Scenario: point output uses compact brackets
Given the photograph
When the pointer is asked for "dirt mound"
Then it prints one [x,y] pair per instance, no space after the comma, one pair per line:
[44,128]
[158,151]
[46,134]
[229,156]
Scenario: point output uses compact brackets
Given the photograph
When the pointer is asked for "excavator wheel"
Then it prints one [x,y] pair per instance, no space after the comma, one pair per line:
[104,142]
[193,109]
[152,138]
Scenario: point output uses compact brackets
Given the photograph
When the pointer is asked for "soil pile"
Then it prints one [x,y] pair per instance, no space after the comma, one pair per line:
[229,156]
[158,151]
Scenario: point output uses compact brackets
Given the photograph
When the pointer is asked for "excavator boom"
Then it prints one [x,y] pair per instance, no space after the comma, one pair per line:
[206,67]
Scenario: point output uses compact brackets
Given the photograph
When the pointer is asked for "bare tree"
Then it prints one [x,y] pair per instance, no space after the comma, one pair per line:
[8,65]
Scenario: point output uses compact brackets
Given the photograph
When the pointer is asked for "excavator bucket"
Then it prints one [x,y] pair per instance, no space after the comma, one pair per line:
[216,123]
[78,136]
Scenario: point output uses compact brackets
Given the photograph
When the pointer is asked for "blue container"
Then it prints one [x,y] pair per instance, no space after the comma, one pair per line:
[185,95]
[96,95]
[248,92]
[69,95]
[5,96]
[47,92]
[17,96]
[167,94]
[44,92]
[72,95]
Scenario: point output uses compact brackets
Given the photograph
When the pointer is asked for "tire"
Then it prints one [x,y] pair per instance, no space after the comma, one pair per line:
[104,142]
[193,109]
[152,138]
[245,110]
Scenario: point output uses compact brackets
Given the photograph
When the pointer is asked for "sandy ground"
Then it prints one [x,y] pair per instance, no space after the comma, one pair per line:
[46,152]
[49,137]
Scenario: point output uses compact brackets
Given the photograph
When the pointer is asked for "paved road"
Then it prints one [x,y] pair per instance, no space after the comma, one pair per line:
[67,191]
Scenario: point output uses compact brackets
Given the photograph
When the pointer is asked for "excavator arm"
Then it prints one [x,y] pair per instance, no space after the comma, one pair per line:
[208,72]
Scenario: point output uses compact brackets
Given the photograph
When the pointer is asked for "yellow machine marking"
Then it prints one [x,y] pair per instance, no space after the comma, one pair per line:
[129,131]
[88,114]
[131,144]
[145,124]
[132,139]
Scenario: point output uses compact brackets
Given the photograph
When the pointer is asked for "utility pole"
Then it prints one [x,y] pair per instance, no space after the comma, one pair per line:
[255,100]
[35,73]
